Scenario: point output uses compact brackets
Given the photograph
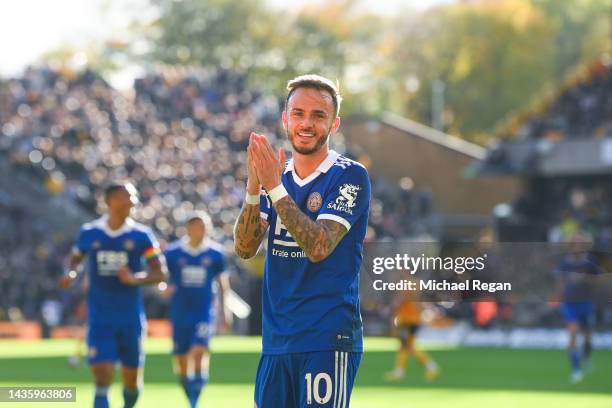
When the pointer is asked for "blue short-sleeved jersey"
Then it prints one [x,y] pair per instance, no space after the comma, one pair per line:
[110,301]
[315,306]
[192,272]
[574,272]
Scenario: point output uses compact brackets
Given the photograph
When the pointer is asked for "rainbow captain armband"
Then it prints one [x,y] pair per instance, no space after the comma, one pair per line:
[151,253]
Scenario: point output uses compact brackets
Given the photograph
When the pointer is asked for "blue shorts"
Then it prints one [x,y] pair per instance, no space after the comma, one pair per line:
[305,380]
[111,343]
[185,337]
[578,312]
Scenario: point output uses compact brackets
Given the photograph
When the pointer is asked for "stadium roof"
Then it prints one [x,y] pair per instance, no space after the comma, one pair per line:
[586,157]
[433,135]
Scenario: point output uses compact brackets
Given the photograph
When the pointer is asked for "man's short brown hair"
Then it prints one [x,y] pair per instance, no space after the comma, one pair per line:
[315,82]
[201,216]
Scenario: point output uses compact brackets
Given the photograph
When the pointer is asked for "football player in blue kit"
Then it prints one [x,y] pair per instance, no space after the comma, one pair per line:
[575,271]
[116,250]
[194,263]
[316,206]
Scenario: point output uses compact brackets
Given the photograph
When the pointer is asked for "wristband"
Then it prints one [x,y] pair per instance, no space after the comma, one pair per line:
[252,199]
[277,193]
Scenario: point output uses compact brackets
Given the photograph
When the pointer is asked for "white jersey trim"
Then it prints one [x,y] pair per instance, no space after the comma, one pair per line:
[335,218]
[186,246]
[324,167]
[102,223]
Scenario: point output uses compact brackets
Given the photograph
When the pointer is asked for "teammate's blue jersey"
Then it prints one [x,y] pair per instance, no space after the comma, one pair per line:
[109,300]
[315,306]
[192,272]
[574,272]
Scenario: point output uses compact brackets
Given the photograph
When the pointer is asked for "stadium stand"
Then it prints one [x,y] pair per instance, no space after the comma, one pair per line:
[582,108]
[181,138]
[561,150]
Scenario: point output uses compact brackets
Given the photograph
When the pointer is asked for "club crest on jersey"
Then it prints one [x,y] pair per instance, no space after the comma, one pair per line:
[346,200]
[128,244]
[206,261]
[96,245]
[182,261]
[315,201]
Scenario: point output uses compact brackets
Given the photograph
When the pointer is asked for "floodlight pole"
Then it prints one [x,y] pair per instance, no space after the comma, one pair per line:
[437,104]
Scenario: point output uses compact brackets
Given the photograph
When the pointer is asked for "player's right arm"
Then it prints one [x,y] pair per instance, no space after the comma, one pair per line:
[72,273]
[79,251]
[250,227]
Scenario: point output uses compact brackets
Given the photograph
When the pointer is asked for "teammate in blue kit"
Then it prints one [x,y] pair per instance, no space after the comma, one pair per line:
[575,271]
[194,264]
[316,206]
[116,249]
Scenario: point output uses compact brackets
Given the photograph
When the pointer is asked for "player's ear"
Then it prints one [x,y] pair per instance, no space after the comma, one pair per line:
[335,124]
[284,119]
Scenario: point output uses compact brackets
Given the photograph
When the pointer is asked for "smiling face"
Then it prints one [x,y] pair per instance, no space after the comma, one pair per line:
[309,119]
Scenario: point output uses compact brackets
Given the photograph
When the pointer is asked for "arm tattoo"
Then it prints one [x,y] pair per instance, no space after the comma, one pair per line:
[317,238]
[249,231]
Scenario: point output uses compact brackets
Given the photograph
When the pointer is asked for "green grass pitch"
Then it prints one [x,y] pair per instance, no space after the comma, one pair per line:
[471,377]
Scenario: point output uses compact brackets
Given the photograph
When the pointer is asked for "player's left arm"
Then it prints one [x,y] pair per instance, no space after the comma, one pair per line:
[224,289]
[318,238]
[156,274]
[156,264]
[596,267]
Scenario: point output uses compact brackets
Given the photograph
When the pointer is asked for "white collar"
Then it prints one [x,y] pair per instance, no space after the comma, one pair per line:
[323,167]
[102,223]
[186,246]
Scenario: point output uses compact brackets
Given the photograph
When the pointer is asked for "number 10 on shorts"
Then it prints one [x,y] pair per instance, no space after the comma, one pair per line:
[312,388]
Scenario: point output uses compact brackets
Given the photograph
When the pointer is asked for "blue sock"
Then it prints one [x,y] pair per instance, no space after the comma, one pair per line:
[101,398]
[130,397]
[575,359]
[196,385]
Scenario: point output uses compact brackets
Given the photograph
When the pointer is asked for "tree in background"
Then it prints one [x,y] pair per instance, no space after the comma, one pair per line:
[271,45]
[211,32]
[582,31]
[492,56]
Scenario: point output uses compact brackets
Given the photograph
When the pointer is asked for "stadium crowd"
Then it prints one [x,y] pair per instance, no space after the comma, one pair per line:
[581,109]
[28,252]
[181,138]
[179,142]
